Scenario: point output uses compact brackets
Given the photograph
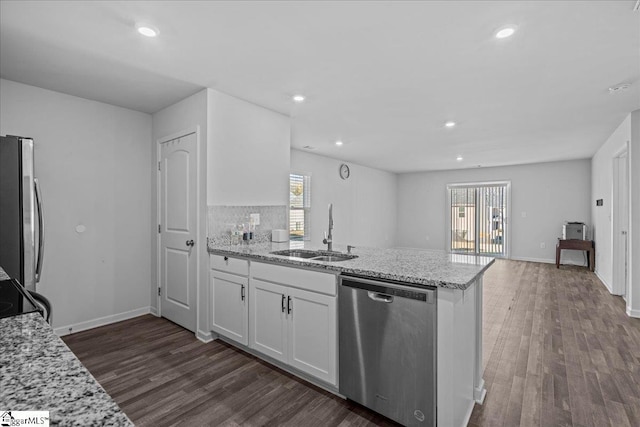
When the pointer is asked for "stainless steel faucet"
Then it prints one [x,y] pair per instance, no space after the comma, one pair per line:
[328,238]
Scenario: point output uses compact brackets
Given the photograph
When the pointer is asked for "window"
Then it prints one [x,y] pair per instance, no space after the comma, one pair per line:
[299,206]
[477,218]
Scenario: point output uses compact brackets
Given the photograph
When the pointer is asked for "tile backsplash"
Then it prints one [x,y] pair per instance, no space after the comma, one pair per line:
[222,219]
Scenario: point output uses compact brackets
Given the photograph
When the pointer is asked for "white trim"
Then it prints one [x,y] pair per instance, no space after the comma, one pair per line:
[188,131]
[618,285]
[101,321]
[467,417]
[205,337]
[479,393]
[154,311]
[529,259]
[604,282]
[633,313]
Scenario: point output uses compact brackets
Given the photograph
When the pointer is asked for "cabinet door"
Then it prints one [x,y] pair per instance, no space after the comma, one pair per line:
[268,319]
[312,334]
[229,308]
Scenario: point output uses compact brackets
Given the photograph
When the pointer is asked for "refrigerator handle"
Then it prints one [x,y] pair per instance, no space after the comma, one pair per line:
[40,230]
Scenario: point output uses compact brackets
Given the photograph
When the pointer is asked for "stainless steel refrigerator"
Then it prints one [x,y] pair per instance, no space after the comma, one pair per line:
[21,221]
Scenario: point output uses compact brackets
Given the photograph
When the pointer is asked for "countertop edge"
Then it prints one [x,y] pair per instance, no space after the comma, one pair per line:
[337,269]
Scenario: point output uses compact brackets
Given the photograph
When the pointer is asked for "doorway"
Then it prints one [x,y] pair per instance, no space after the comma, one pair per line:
[620,226]
[177,228]
[477,216]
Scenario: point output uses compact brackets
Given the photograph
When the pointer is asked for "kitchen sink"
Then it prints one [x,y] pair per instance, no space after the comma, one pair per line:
[297,253]
[315,255]
[334,258]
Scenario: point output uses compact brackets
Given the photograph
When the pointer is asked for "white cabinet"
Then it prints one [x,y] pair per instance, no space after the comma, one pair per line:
[229,305]
[268,319]
[293,325]
[312,334]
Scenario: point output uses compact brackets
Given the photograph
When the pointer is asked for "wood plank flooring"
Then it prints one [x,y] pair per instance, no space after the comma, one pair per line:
[161,375]
[558,350]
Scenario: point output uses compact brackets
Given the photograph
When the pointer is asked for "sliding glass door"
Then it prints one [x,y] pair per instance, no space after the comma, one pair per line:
[478,218]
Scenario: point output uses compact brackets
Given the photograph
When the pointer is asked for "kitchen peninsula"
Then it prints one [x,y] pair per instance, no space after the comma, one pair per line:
[456,278]
[38,372]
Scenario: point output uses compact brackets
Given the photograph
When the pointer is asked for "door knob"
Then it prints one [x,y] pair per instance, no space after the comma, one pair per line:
[190,243]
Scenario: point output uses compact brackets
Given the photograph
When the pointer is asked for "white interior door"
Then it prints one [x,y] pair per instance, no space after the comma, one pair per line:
[620,224]
[178,244]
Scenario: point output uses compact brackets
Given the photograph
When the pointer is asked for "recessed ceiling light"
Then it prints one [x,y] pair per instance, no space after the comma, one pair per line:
[450,124]
[505,32]
[147,30]
[459,158]
[298,98]
[339,143]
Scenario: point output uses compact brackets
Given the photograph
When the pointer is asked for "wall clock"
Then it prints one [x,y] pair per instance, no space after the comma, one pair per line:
[344,171]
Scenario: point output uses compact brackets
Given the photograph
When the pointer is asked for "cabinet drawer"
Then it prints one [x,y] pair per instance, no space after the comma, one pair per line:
[229,265]
[314,281]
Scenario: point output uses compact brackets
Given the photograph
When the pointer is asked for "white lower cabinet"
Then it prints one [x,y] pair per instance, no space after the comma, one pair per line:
[312,334]
[292,325]
[229,307]
[268,319]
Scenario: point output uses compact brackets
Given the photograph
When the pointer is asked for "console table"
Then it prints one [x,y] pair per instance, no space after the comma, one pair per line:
[578,245]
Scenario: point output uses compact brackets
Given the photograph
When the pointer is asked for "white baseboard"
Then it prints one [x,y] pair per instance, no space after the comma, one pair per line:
[467,416]
[100,321]
[547,261]
[543,260]
[205,337]
[154,311]
[633,313]
[604,282]
[479,392]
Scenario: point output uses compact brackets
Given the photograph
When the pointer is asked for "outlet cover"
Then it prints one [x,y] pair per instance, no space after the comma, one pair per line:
[255,218]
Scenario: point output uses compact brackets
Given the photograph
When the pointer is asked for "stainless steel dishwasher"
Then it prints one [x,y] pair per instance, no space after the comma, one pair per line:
[388,348]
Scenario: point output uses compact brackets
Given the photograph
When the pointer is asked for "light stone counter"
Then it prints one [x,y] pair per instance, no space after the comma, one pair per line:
[38,372]
[415,266]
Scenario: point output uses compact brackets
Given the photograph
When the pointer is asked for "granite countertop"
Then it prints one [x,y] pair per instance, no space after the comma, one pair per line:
[415,266]
[38,372]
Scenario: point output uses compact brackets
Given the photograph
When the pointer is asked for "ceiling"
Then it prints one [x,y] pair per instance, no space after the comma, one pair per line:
[381,76]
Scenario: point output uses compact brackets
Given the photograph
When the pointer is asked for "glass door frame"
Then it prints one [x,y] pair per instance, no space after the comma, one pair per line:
[507,217]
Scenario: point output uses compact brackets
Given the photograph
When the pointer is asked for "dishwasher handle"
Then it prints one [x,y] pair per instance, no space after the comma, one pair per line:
[376,296]
[386,291]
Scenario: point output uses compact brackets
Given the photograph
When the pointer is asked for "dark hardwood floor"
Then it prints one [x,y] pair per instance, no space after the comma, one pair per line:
[161,375]
[558,350]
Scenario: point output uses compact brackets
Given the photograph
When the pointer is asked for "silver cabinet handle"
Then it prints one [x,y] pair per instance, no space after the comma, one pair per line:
[190,243]
[40,230]
[381,297]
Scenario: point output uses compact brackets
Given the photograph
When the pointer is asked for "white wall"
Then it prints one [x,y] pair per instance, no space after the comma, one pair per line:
[602,188]
[548,194]
[602,181]
[92,160]
[248,161]
[633,301]
[186,115]
[364,206]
